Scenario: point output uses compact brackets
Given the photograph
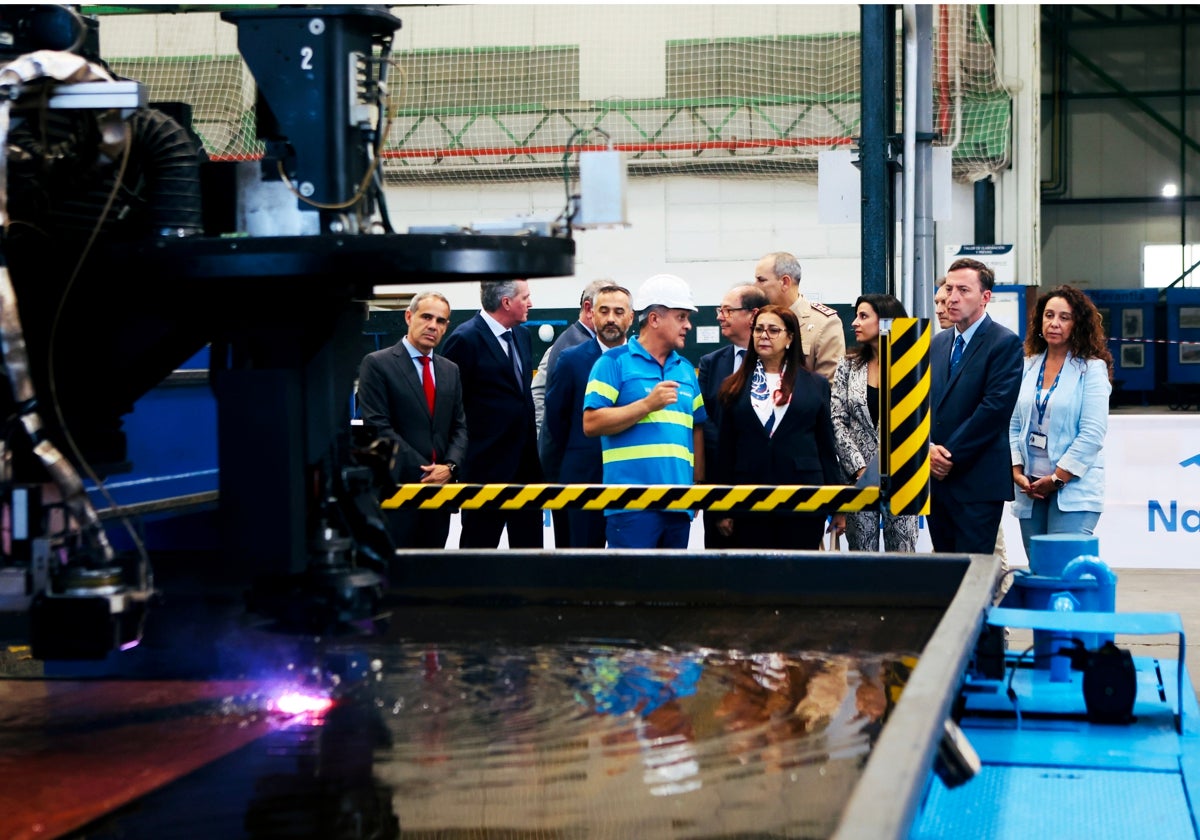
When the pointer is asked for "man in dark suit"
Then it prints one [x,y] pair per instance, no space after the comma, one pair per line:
[493,351]
[975,373]
[549,452]
[578,455]
[735,316]
[577,333]
[394,399]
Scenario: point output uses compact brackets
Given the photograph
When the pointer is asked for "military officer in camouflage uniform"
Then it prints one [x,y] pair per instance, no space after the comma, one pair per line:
[821,333]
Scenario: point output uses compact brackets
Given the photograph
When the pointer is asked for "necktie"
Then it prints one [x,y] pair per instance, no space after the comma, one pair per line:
[739,356]
[956,354]
[512,354]
[427,381]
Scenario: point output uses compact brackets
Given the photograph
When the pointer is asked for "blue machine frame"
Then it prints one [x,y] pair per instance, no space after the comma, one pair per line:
[1047,771]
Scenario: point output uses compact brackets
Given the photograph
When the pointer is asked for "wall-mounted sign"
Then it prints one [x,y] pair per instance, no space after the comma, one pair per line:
[999,258]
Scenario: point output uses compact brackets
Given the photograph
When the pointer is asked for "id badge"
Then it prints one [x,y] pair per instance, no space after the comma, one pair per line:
[1037,440]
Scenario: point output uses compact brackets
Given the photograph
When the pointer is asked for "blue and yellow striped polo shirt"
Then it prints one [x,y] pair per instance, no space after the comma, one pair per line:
[658,448]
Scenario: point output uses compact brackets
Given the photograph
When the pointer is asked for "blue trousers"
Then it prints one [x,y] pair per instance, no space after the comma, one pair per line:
[1046,518]
[648,529]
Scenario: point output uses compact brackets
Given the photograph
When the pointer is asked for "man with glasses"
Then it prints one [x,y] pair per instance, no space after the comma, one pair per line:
[821,334]
[735,316]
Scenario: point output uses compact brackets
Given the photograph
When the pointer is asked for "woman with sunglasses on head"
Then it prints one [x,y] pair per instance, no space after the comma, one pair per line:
[776,429]
[1057,431]
[856,424]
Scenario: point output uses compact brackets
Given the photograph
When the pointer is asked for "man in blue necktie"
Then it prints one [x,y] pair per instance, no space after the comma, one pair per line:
[493,351]
[975,373]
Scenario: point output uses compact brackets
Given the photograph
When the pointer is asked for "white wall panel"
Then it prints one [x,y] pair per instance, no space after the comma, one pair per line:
[708,231]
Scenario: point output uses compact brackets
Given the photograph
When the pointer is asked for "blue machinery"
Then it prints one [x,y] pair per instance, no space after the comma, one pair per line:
[1074,737]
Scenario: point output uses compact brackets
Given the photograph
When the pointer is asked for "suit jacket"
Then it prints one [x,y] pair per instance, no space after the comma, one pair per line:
[801,451]
[971,410]
[579,455]
[391,401]
[502,441]
[1077,424]
[715,368]
[572,336]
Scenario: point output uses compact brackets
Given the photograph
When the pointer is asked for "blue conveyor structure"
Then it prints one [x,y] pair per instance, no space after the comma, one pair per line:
[1049,768]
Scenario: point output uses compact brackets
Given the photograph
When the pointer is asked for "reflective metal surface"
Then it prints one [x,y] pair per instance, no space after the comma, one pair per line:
[531,721]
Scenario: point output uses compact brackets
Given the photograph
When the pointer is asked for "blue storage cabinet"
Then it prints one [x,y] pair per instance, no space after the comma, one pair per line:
[1131,324]
[1183,336]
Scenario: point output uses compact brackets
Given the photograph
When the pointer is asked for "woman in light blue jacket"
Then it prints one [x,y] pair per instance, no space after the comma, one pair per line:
[1057,429]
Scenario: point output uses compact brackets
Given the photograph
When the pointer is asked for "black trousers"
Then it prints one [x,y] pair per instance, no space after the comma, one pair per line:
[713,538]
[482,528]
[963,527]
[562,528]
[417,528]
[787,531]
[588,528]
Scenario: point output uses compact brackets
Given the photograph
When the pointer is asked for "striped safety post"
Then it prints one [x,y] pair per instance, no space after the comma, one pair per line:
[904,437]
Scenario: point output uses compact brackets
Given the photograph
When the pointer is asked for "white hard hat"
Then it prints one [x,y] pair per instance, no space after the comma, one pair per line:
[664,290]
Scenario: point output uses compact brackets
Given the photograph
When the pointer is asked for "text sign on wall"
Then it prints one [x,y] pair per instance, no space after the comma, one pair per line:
[999,258]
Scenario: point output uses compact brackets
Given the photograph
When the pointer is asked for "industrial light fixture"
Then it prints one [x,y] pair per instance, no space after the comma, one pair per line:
[1170,190]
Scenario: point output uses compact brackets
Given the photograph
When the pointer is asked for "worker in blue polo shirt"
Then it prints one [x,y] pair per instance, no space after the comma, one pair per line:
[643,401]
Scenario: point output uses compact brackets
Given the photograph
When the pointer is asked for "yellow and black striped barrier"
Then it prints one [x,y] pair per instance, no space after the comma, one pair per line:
[743,497]
[903,464]
[904,438]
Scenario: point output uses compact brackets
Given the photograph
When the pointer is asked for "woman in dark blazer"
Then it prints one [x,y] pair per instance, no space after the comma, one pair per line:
[776,429]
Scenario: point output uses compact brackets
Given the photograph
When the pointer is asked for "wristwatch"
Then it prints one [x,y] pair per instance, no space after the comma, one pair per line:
[453,467]
[1058,482]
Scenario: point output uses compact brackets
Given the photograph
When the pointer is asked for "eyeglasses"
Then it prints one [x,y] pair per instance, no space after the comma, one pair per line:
[725,310]
[771,330]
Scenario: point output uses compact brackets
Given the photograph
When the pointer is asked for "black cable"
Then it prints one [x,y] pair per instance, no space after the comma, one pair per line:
[1009,691]
[570,210]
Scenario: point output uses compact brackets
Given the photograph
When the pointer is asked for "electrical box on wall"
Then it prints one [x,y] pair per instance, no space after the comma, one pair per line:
[602,190]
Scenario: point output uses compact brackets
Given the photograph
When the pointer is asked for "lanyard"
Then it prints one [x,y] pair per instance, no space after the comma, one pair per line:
[1042,405]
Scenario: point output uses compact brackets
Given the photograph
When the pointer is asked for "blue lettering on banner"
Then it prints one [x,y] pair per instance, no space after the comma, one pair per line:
[1190,519]
[1171,525]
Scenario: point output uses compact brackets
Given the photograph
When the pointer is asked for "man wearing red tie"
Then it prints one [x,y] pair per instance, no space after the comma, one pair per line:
[408,395]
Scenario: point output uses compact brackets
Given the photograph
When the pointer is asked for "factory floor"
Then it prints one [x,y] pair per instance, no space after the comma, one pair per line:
[1154,590]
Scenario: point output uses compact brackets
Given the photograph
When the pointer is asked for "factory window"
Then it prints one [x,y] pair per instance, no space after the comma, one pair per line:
[1163,264]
